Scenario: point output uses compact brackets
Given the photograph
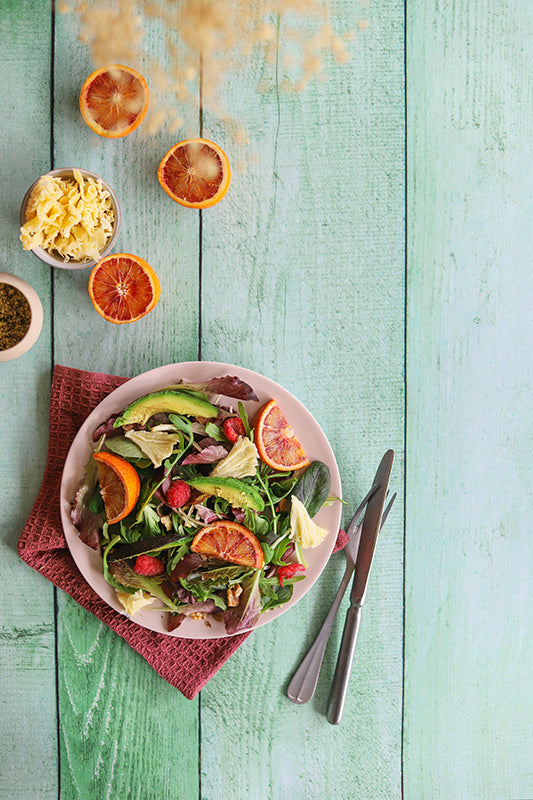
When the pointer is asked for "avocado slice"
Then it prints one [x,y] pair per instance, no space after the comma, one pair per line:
[171,402]
[236,492]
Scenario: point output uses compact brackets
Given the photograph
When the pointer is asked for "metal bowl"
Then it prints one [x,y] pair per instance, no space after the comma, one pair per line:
[36,319]
[56,260]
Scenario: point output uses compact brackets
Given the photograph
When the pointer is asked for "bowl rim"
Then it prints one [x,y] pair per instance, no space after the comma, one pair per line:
[44,255]
[36,322]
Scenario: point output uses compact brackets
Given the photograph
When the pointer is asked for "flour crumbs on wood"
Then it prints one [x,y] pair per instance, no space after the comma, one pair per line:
[204,40]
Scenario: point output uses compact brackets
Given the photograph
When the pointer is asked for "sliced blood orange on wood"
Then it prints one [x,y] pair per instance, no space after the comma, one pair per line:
[119,485]
[275,440]
[114,100]
[229,541]
[123,288]
[195,173]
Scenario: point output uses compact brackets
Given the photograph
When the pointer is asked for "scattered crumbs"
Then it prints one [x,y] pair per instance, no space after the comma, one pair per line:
[211,38]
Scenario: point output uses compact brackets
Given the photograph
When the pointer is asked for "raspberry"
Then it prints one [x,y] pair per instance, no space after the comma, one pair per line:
[150,566]
[288,571]
[178,493]
[233,427]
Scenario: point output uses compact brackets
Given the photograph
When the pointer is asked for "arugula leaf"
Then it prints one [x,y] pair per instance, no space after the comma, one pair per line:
[312,488]
[179,553]
[184,425]
[151,544]
[273,594]
[149,520]
[149,489]
[214,432]
[257,523]
[279,548]
[268,552]
[243,414]
[219,577]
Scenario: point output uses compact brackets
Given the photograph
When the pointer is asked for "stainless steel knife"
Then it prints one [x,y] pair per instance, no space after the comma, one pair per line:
[367,544]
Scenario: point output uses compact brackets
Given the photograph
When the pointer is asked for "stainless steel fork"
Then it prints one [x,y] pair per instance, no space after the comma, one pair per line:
[303,682]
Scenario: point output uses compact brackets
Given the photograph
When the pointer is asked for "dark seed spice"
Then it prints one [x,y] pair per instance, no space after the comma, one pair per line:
[15,316]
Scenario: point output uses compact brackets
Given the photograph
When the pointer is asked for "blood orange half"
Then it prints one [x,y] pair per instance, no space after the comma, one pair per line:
[195,173]
[275,440]
[119,485]
[229,541]
[123,288]
[114,100]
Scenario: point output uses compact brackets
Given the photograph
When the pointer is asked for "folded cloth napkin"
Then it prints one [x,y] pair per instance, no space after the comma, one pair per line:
[187,664]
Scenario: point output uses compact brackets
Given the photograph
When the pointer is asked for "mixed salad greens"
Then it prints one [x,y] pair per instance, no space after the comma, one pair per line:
[201,482]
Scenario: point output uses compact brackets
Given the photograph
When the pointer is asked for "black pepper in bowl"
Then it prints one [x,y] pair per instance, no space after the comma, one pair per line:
[15,316]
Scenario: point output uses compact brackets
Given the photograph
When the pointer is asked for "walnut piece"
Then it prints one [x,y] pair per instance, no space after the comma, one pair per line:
[233,593]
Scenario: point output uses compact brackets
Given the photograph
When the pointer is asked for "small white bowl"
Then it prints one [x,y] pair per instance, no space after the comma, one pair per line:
[36,320]
[56,261]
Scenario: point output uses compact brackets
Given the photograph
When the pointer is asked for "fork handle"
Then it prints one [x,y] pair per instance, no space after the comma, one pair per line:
[341,679]
[303,683]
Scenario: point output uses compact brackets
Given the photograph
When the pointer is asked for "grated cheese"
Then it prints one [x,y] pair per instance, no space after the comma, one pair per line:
[70,217]
[304,530]
[241,461]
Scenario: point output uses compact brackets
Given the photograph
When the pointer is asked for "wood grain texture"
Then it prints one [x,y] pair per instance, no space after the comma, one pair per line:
[124,732]
[308,246]
[468,633]
[153,227]
[299,274]
[27,640]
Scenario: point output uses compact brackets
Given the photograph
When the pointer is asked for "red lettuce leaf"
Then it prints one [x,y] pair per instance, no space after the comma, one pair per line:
[228,385]
[246,614]
[210,454]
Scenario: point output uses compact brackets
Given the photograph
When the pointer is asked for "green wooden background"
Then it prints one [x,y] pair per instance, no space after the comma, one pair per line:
[372,256]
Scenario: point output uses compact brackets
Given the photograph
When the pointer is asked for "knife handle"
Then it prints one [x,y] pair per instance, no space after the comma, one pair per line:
[341,679]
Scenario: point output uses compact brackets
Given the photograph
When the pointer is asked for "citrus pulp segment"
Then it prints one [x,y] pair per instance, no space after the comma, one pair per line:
[229,541]
[275,440]
[114,100]
[123,288]
[119,485]
[195,173]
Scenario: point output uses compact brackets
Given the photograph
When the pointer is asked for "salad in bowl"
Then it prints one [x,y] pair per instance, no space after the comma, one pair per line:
[198,510]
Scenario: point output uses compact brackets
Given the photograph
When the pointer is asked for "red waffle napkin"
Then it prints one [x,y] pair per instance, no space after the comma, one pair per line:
[187,664]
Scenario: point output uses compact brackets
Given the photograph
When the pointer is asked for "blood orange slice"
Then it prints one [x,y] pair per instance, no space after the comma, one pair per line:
[195,173]
[123,288]
[119,485]
[275,440]
[114,100]
[229,541]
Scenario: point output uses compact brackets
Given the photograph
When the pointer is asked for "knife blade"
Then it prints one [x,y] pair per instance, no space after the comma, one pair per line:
[367,544]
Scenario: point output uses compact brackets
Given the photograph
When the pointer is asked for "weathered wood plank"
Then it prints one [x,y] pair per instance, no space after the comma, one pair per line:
[27,628]
[124,731]
[308,245]
[153,227]
[468,691]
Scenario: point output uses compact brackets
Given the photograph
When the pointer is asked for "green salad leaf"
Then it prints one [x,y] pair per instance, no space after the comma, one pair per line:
[154,549]
[313,487]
